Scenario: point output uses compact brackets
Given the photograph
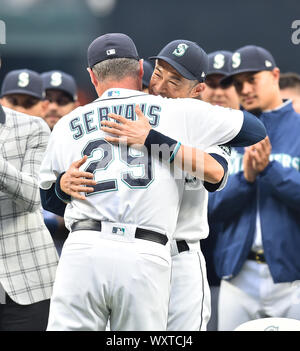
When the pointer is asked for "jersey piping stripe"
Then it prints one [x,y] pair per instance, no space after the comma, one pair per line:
[177,147]
[202,302]
[169,299]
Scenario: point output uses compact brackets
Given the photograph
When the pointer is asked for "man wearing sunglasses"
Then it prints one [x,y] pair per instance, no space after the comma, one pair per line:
[214,92]
[61,92]
[22,91]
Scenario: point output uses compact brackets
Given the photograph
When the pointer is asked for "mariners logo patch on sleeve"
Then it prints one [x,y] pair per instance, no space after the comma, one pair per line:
[226,149]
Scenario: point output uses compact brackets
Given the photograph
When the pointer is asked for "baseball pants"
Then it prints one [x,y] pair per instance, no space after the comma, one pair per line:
[252,294]
[189,306]
[102,275]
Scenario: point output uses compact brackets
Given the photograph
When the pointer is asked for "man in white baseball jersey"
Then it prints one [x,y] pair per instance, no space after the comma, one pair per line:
[176,77]
[188,264]
[118,244]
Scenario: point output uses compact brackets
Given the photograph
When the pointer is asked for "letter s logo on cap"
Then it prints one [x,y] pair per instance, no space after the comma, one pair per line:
[56,79]
[219,61]
[180,50]
[23,79]
[236,60]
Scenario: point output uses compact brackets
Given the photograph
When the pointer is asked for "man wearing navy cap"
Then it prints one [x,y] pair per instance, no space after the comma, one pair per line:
[61,92]
[257,250]
[61,96]
[188,264]
[116,261]
[22,90]
[184,64]
[214,92]
[180,69]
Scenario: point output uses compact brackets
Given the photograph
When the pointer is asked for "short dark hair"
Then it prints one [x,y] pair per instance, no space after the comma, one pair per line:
[289,80]
[117,68]
[23,100]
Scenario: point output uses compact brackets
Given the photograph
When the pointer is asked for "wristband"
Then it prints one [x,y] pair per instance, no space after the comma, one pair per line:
[156,138]
[223,162]
[59,193]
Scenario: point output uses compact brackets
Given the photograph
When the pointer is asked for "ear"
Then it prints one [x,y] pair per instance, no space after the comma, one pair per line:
[197,90]
[94,79]
[141,73]
[276,74]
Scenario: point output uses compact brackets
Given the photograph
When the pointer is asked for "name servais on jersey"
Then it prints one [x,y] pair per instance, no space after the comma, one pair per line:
[90,121]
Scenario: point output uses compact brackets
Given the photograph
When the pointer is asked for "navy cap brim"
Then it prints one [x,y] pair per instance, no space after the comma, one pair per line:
[179,68]
[23,92]
[74,97]
[217,71]
[226,81]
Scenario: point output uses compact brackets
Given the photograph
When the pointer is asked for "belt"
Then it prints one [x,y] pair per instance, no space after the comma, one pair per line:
[258,256]
[140,233]
[182,246]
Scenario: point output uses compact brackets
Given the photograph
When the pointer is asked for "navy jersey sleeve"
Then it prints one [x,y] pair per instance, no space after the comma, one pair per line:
[51,202]
[252,131]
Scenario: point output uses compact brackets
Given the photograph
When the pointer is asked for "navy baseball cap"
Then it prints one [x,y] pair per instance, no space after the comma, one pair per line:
[148,70]
[219,62]
[23,81]
[187,57]
[249,58]
[59,80]
[110,46]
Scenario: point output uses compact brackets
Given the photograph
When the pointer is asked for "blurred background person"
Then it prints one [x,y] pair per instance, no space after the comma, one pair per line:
[258,241]
[22,91]
[216,94]
[61,92]
[289,84]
